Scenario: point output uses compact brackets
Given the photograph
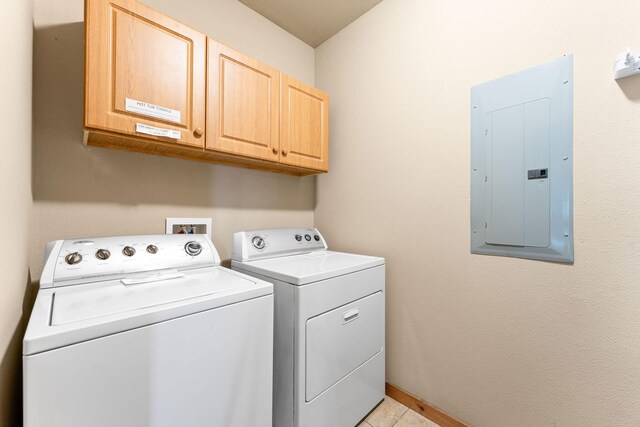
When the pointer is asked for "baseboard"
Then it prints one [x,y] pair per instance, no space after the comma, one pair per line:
[423,408]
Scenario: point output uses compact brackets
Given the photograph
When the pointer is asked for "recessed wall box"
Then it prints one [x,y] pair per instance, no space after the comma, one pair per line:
[188,226]
[521,164]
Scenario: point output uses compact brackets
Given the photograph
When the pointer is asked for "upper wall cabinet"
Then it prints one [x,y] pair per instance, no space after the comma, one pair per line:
[145,73]
[154,85]
[304,125]
[243,98]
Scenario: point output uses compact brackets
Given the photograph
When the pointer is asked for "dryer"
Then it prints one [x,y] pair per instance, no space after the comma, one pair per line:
[329,331]
[147,331]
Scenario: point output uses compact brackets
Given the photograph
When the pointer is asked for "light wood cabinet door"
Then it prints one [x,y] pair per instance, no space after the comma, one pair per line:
[304,125]
[145,73]
[242,104]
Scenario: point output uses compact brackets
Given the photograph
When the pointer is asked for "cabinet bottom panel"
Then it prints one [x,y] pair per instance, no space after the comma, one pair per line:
[139,145]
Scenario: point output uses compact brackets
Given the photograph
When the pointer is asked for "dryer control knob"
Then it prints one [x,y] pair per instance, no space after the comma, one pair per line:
[73,258]
[193,248]
[298,237]
[152,249]
[103,254]
[128,251]
[316,237]
[307,237]
[258,242]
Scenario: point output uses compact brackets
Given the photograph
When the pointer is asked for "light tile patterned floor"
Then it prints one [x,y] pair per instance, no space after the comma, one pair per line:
[393,413]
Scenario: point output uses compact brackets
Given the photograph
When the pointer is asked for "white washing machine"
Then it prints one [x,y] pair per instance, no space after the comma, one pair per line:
[147,331]
[329,353]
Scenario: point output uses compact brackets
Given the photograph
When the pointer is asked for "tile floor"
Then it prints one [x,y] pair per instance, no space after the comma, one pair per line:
[393,413]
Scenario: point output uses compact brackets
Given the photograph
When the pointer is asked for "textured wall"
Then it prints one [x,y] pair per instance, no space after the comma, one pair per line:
[15,191]
[88,191]
[493,341]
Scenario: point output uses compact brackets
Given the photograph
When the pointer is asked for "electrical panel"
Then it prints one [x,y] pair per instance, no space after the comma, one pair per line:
[521,164]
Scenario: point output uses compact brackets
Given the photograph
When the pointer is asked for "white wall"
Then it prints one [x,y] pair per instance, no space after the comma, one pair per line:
[493,341]
[89,191]
[15,192]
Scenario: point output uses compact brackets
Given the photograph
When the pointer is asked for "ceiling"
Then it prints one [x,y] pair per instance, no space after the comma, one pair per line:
[312,21]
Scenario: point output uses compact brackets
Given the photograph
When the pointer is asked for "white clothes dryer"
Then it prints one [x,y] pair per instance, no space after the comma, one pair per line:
[329,350]
[147,331]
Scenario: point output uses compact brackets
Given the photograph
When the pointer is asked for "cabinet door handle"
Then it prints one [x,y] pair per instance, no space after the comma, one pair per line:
[197,132]
[284,153]
[275,151]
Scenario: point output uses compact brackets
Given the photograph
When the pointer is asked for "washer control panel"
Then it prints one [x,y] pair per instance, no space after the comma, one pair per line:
[83,259]
[269,243]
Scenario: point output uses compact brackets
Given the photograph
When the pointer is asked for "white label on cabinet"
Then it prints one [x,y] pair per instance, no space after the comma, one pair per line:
[152,110]
[152,130]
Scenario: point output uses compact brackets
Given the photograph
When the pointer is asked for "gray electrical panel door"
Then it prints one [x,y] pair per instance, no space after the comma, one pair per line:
[521,165]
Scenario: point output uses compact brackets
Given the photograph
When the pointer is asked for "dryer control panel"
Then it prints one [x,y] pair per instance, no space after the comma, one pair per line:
[275,242]
[100,258]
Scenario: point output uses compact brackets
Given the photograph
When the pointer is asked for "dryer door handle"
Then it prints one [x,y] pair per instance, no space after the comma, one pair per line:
[350,315]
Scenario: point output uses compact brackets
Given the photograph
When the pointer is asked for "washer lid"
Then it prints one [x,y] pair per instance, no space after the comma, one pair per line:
[136,292]
[79,313]
[310,267]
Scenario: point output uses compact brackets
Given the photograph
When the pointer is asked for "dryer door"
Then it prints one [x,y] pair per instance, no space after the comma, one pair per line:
[339,341]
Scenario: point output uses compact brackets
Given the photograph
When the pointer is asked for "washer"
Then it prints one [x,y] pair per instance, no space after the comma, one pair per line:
[329,353]
[147,331]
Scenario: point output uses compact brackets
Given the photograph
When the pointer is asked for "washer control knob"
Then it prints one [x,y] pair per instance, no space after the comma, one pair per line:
[103,254]
[128,251]
[298,237]
[258,242]
[73,258]
[193,248]
[152,249]
[307,237]
[316,237]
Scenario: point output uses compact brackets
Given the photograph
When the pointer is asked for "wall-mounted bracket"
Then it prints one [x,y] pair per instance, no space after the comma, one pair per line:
[627,64]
